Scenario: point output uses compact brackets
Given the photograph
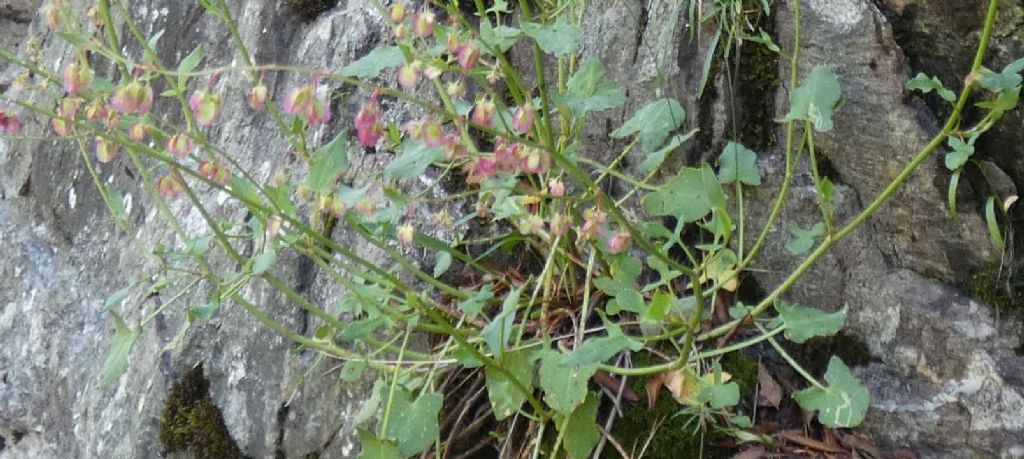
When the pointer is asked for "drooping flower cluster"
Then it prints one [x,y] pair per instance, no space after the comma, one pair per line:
[66,110]
[135,97]
[77,77]
[214,172]
[309,101]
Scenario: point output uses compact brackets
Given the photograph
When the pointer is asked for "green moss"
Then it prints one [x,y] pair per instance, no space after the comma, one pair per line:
[743,369]
[674,438]
[1007,297]
[192,422]
[310,9]
[991,288]
[757,81]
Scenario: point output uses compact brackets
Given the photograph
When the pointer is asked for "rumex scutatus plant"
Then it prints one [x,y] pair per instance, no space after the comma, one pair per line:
[596,278]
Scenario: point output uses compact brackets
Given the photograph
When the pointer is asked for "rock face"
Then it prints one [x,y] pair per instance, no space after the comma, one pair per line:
[14,18]
[944,377]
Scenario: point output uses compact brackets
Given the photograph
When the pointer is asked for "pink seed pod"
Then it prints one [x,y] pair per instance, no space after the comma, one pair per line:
[397,12]
[214,172]
[179,145]
[106,150]
[77,76]
[618,242]
[137,132]
[368,124]
[423,24]
[135,97]
[297,100]
[522,119]
[170,186]
[483,112]
[468,56]
[556,188]
[405,234]
[408,76]
[205,106]
[257,98]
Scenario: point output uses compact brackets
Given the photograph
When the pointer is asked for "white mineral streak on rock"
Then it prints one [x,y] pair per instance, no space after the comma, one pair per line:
[844,14]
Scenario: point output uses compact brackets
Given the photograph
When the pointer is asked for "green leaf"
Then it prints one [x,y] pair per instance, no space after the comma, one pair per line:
[654,122]
[826,193]
[505,397]
[842,403]
[498,6]
[599,350]
[654,159]
[415,158]
[73,39]
[117,297]
[151,43]
[659,305]
[564,387]
[264,261]
[581,431]
[371,405]
[689,196]
[558,39]
[926,84]
[803,323]
[361,328]
[764,39]
[954,181]
[803,240]
[473,306]
[116,362]
[442,261]
[352,371]
[586,93]
[993,224]
[328,162]
[188,64]
[497,333]
[1006,101]
[739,164]
[632,301]
[370,65]
[815,99]
[501,38]
[961,152]
[414,423]
[376,448]
[999,82]
[719,394]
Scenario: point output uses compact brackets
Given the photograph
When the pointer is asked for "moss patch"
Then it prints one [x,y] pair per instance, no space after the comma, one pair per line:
[1006,297]
[674,438]
[310,9]
[192,422]
[757,81]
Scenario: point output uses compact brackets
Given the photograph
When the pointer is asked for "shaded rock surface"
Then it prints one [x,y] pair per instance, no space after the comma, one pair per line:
[945,379]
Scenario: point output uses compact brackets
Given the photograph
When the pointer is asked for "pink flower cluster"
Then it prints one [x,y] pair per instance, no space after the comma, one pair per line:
[369,127]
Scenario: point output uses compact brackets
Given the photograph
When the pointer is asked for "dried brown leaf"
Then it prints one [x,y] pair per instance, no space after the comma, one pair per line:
[770,392]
